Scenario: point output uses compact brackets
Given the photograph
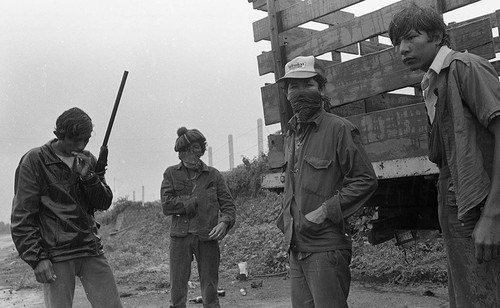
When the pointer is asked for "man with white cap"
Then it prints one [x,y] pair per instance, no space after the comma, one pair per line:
[328,177]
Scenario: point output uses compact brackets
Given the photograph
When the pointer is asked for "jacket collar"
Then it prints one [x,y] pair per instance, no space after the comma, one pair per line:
[440,60]
[450,58]
[316,121]
[49,156]
[204,167]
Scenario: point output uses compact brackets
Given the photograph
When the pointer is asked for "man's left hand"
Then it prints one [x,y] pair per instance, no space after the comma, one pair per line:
[82,164]
[318,215]
[486,237]
[218,232]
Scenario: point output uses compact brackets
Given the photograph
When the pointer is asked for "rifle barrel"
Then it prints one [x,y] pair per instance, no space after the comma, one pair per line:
[115,109]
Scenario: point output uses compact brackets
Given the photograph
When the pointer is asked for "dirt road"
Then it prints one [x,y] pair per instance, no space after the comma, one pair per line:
[274,292]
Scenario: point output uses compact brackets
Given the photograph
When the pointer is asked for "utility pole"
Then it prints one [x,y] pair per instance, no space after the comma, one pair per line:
[231,152]
[260,137]
[210,158]
[142,195]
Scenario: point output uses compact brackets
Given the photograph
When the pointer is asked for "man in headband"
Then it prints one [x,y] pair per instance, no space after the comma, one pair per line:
[202,211]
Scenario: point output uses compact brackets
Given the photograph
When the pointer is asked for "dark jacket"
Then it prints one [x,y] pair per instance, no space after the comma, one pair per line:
[330,167]
[194,204]
[51,209]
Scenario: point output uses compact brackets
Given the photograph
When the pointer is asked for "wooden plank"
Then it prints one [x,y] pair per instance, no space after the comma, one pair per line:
[366,47]
[276,156]
[354,108]
[349,32]
[352,31]
[258,4]
[497,43]
[367,76]
[304,12]
[280,4]
[376,103]
[279,60]
[391,100]
[496,65]
[265,63]
[450,5]
[361,77]
[394,133]
[472,35]
[491,16]
[270,104]
[331,19]
[261,27]
[299,33]
[342,35]
[497,13]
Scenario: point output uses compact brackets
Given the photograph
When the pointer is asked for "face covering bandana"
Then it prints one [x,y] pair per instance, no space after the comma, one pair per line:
[190,159]
[305,103]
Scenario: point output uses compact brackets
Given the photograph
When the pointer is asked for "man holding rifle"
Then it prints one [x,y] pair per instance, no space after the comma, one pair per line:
[57,190]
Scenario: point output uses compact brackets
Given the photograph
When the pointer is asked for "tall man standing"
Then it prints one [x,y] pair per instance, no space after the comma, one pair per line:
[462,97]
[54,231]
[202,211]
[328,177]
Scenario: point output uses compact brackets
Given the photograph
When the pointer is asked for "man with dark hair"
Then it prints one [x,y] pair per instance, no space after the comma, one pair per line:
[328,177]
[56,190]
[202,211]
[462,97]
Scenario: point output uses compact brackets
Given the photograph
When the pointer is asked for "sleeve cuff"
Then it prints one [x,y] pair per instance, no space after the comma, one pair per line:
[190,206]
[91,178]
[333,210]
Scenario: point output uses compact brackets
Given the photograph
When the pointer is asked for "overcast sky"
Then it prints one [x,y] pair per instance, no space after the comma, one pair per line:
[191,63]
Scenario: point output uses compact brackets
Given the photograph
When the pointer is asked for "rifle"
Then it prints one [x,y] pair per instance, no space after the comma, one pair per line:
[102,161]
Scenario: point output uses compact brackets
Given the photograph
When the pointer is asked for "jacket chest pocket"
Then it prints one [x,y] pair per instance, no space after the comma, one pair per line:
[207,201]
[316,177]
[183,187]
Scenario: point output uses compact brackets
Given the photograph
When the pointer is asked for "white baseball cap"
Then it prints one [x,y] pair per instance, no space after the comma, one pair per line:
[303,67]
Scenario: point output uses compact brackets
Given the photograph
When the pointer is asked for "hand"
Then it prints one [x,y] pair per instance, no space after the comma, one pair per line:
[44,272]
[318,215]
[218,232]
[486,237]
[82,163]
[191,206]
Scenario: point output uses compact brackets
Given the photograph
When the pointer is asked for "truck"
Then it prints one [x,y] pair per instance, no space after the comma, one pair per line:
[369,85]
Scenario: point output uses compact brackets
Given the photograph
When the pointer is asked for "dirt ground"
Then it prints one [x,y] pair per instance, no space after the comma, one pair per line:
[18,289]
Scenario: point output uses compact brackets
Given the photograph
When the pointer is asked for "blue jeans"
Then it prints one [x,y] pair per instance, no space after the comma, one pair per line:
[207,256]
[97,280]
[320,279]
[469,284]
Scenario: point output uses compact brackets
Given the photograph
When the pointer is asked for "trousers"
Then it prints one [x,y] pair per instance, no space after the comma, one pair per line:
[207,253]
[469,284]
[97,280]
[320,279]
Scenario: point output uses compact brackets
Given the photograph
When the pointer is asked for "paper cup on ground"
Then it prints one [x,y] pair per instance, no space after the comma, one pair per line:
[243,270]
